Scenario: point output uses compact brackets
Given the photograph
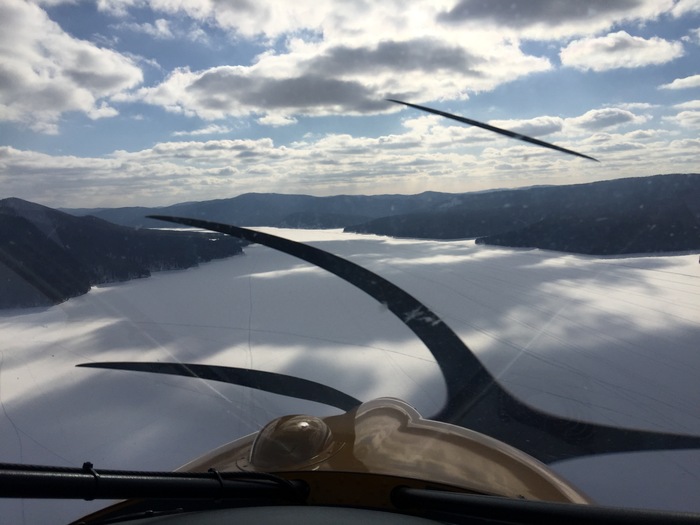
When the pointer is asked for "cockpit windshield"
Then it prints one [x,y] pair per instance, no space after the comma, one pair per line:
[216,214]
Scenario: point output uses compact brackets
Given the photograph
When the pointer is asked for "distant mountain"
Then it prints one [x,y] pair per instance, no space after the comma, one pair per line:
[272,209]
[636,215]
[47,256]
[673,229]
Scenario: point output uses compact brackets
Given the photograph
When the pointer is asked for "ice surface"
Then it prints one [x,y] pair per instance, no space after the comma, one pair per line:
[608,340]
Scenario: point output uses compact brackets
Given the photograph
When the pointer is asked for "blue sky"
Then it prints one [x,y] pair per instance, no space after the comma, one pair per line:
[127,102]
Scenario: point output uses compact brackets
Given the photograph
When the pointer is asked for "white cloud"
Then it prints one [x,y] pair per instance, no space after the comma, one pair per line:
[427,153]
[53,3]
[645,134]
[118,7]
[686,119]
[322,79]
[684,7]
[159,29]
[693,36]
[683,83]
[552,19]
[276,120]
[103,111]
[162,28]
[596,119]
[212,129]
[44,72]
[332,58]
[355,20]
[385,49]
[619,50]
[636,105]
[197,34]
[691,104]
[322,59]
[535,127]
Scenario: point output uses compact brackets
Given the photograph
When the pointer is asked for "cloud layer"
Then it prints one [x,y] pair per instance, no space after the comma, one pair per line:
[428,152]
[683,83]
[321,59]
[199,75]
[619,50]
[45,72]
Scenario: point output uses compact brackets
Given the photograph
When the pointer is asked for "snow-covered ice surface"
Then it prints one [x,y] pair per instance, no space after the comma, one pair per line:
[609,340]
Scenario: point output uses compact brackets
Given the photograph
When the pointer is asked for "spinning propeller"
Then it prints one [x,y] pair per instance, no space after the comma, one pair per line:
[475,399]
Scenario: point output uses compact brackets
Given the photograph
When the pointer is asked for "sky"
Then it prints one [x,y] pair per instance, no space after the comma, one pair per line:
[126,102]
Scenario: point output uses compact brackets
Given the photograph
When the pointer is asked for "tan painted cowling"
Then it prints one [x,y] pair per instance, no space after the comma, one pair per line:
[388,438]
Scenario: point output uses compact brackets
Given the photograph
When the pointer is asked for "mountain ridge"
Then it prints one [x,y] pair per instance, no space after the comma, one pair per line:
[275,209]
[657,214]
[48,256]
[664,210]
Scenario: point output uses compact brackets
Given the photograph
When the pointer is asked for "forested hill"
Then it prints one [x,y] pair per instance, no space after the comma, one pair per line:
[47,256]
[623,216]
[280,210]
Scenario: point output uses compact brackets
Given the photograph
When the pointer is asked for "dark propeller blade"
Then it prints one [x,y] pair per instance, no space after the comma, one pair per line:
[258,379]
[461,369]
[475,399]
[489,127]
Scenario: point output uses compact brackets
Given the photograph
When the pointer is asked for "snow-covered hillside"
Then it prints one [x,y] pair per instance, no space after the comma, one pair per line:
[612,341]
